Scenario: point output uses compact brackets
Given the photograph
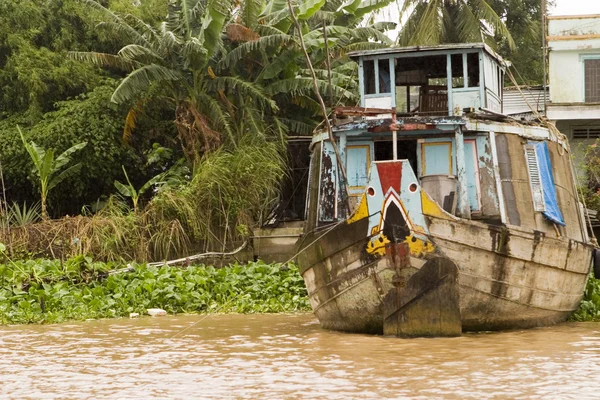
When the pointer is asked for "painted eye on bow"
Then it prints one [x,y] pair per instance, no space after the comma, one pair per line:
[413,187]
[371,191]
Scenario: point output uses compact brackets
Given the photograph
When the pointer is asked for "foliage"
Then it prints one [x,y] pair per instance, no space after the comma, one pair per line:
[175,62]
[523,20]
[228,193]
[451,21]
[589,184]
[91,118]
[128,190]
[48,291]
[48,169]
[22,215]
[589,309]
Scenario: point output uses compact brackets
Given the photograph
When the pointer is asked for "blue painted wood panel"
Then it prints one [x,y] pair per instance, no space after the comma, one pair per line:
[436,158]
[358,160]
[472,167]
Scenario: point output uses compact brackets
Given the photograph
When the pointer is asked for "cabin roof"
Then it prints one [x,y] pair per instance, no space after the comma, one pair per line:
[424,49]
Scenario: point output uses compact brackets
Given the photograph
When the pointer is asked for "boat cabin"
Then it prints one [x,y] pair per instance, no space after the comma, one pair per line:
[435,113]
[432,81]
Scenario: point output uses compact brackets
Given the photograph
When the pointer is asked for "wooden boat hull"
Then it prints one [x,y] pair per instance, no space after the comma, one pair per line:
[509,278]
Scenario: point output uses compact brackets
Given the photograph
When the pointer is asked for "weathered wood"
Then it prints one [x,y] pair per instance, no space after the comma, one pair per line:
[428,306]
[361,111]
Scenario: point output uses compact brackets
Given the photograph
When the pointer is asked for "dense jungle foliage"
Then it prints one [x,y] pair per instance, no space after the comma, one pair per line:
[48,291]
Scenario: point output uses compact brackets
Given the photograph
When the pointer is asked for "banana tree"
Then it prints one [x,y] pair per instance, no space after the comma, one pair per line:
[264,48]
[49,169]
[128,190]
[176,62]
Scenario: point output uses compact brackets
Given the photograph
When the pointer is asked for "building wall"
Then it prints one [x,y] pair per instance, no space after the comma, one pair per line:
[566,77]
[570,41]
[573,25]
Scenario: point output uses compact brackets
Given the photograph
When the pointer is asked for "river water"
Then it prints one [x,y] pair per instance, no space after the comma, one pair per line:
[289,356]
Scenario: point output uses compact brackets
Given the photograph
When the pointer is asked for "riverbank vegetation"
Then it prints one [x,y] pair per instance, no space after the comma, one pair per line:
[49,291]
[589,309]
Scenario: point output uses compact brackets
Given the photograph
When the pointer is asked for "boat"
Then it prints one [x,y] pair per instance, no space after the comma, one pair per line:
[431,213]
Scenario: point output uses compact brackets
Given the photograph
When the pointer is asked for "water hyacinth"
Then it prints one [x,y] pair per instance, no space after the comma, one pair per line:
[589,309]
[48,291]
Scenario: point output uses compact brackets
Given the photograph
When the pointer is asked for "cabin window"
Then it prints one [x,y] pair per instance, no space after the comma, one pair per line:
[369,76]
[473,69]
[458,76]
[407,99]
[424,84]
[384,76]
[592,80]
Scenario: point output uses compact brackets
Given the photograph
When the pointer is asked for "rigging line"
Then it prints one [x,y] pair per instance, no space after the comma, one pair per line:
[514,81]
[528,87]
[314,241]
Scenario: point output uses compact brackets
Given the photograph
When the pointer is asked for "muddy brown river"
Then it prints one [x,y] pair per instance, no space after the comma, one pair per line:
[289,356]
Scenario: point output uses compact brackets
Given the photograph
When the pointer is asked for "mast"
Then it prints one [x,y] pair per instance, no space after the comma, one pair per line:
[545,55]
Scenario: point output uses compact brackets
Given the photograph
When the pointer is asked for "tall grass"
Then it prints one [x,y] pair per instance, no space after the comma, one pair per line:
[229,192]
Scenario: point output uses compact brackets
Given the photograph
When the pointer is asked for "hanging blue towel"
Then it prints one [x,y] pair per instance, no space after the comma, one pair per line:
[550,201]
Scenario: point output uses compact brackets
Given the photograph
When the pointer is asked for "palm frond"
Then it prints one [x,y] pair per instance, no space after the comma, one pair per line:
[280,63]
[304,85]
[213,23]
[367,33]
[55,180]
[137,53]
[212,109]
[298,126]
[195,54]
[261,44]
[485,12]
[308,8]
[103,60]
[250,12]
[65,156]
[117,24]
[139,80]
[268,30]
[249,90]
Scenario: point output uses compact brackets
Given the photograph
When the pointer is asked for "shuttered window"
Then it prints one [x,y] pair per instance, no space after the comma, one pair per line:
[592,81]
[534,177]
[586,132]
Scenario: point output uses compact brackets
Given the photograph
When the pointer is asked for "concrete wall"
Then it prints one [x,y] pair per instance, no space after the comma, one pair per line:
[573,25]
[566,77]
[570,40]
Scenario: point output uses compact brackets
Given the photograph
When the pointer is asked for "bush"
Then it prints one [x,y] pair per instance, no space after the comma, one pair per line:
[589,309]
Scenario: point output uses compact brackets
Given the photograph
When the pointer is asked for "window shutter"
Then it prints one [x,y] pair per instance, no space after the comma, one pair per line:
[534,178]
